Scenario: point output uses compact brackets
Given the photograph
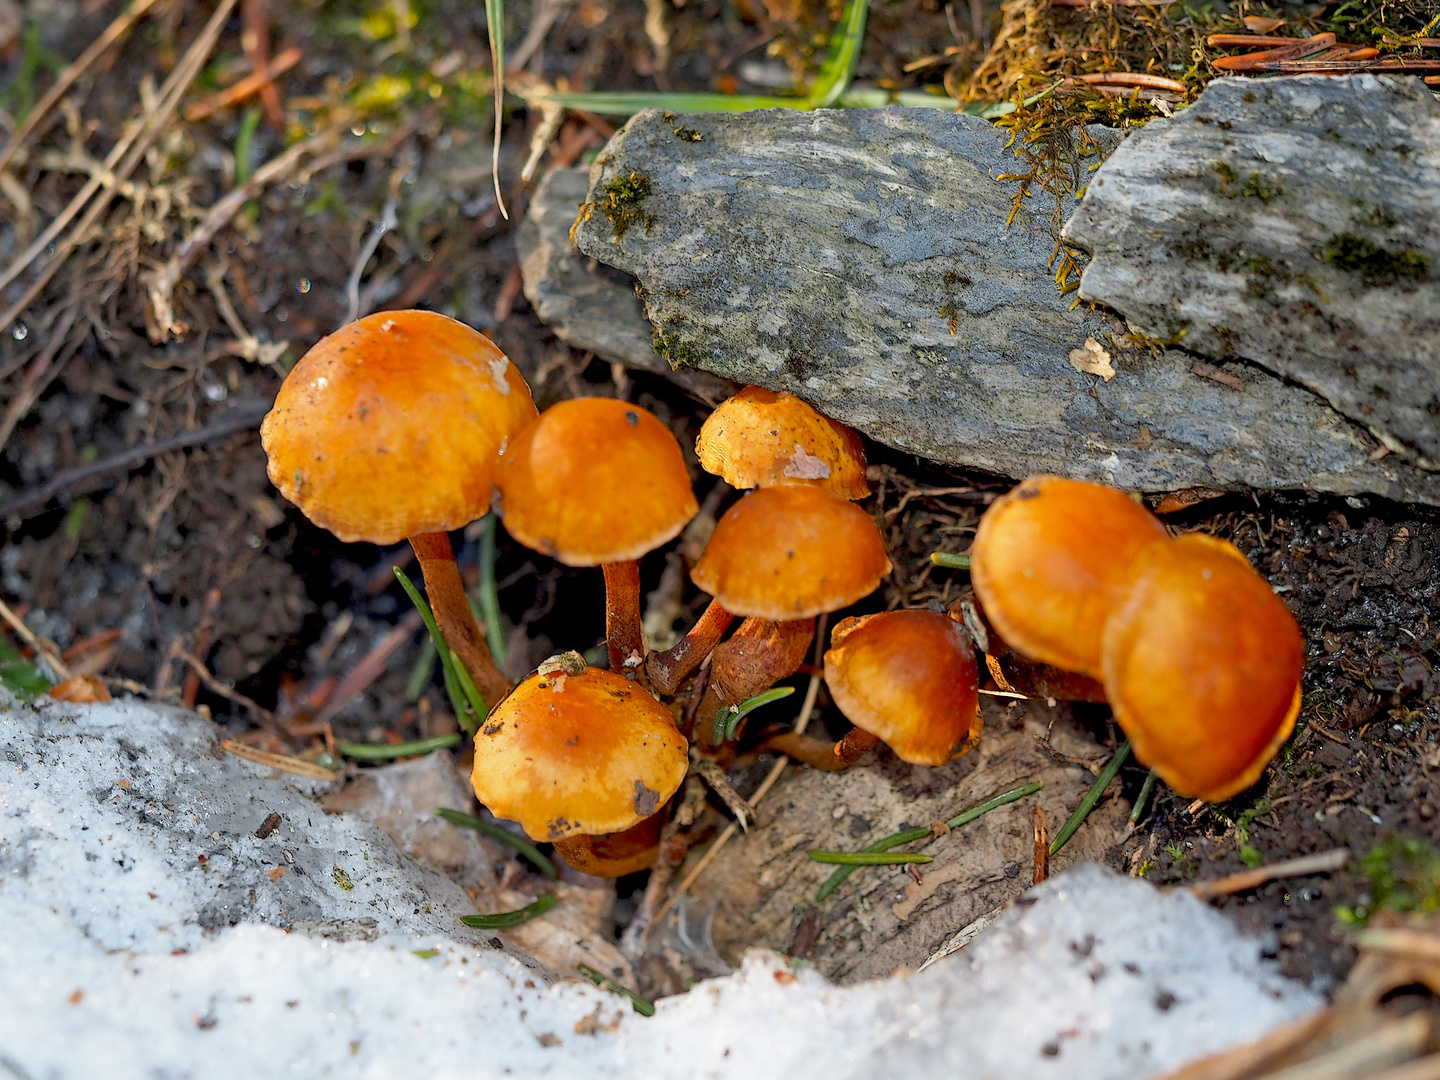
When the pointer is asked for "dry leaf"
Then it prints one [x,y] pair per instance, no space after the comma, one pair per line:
[1258,24]
[1092,359]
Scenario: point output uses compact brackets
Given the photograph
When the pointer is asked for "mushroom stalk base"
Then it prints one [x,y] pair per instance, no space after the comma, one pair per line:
[669,669]
[624,633]
[756,657]
[819,754]
[452,612]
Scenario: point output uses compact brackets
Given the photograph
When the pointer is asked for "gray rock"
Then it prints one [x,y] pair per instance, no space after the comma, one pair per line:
[589,306]
[860,259]
[1292,222]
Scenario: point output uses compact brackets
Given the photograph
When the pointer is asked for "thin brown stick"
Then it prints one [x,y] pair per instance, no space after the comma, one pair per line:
[624,633]
[1323,863]
[669,669]
[112,33]
[255,42]
[28,636]
[1042,844]
[278,761]
[252,84]
[202,646]
[801,722]
[215,686]
[370,668]
[452,612]
[37,378]
[819,753]
[133,145]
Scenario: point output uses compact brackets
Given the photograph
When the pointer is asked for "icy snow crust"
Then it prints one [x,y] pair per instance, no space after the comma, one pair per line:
[1097,976]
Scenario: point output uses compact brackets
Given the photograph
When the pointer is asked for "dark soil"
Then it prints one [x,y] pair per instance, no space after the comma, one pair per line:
[142,551]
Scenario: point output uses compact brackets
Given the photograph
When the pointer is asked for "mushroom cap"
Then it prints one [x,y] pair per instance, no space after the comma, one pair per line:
[909,678]
[759,438]
[391,426]
[565,754]
[785,553]
[1051,559]
[592,481]
[1202,667]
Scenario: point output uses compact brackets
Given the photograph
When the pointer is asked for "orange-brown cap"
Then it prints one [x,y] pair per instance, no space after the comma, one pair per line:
[614,854]
[574,749]
[909,678]
[391,426]
[1050,560]
[759,438]
[594,481]
[786,553]
[1202,667]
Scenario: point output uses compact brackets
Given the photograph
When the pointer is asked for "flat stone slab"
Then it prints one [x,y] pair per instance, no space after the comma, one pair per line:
[588,306]
[861,259]
[1090,975]
[1292,222]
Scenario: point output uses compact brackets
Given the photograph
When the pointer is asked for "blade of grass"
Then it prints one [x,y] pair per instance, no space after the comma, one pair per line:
[495,24]
[449,669]
[840,60]
[950,560]
[244,141]
[489,596]
[1091,797]
[638,1003]
[385,751]
[834,881]
[727,720]
[504,919]
[422,672]
[1143,797]
[870,858]
[504,836]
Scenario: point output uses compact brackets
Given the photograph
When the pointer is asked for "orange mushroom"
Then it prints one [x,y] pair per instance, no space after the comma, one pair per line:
[781,556]
[577,751]
[904,678]
[390,428]
[614,855]
[1051,559]
[598,482]
[1202,665]
[760,438]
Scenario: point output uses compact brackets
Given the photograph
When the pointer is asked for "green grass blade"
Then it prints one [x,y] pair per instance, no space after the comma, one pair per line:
[1091,797]
[489,596]
[448,667]
[386,752]
[495,23]
[640,1005]
[422,672]
[870,858]
[727,720]
[1143,797]
[844,53]
[835,880]
[504,836]
[503,920]
[950,560]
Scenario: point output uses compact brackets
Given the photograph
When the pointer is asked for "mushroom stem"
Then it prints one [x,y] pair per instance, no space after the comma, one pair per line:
[453,615]
[819,754]
[616,854]
[624,633]
[668,669]
[757,656]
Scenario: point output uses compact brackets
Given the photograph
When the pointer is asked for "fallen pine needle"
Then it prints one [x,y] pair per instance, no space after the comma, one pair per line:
[870,858]
[279,761]
[390,751]
[640,1004]
[1249,879]
[1091,798]
[501,835]
[504,919]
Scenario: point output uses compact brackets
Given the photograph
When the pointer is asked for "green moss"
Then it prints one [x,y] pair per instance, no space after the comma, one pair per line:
[622,201]
[1254,187]
[678,352]
[1404,876]
[342,879]
[1375,265]
[686,133]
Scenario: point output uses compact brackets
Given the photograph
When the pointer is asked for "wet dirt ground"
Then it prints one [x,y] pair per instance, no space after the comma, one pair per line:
[193,552]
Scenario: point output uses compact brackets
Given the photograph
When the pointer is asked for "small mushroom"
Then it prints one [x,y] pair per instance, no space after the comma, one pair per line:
[781,556]
[1202,665]
[575,750]
[615,854]
[598,482]
[390,428]
[904,678]
[1051,559]
[760,438]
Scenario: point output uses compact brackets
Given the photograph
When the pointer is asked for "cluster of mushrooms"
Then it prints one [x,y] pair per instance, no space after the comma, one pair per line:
[410,424]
